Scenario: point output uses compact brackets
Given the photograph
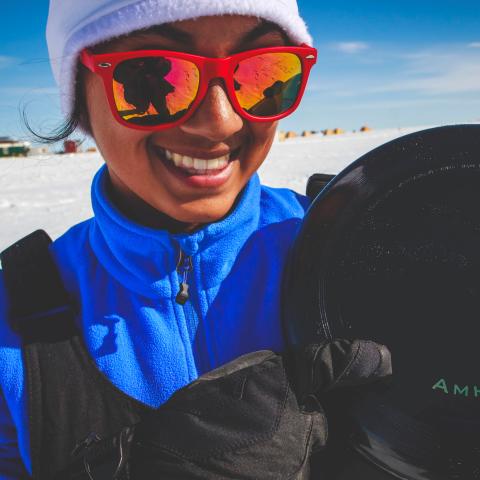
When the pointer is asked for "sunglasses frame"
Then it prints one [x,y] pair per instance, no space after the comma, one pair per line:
[209,68]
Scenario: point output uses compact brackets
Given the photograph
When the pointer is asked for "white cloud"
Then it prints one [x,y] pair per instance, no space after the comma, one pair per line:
[432,72]
[16,91]
[404,103]
[464,79]
[6,61]
[441,71]
[474,45]
[437,73]
[351,47]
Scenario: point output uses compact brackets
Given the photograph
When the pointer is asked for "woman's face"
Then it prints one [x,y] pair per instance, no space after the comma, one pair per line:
[145,181]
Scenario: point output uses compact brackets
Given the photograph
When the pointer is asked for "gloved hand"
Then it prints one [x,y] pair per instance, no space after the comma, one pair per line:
[257,417]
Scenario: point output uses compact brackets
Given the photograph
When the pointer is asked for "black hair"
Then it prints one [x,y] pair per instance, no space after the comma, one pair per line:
[78,118]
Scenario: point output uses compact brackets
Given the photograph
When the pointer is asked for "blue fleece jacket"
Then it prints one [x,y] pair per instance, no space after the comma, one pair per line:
[124,277]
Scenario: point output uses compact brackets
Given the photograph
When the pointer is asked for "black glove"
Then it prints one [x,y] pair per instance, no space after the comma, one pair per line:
[340,363]
[257,417]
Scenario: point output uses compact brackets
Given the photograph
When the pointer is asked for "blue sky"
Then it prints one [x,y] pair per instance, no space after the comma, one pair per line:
[384,63]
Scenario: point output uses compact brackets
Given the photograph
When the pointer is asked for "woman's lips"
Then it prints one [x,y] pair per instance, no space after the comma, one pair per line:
[218,170]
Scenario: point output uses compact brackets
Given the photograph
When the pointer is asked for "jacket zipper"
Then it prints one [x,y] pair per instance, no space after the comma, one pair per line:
[184,267]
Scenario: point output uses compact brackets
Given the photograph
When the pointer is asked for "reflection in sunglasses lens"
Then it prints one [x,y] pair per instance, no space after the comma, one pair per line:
[154,90]
[160,90]
[268,84]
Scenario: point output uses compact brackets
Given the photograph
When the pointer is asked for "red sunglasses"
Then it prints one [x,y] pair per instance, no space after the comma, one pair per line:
[158,89]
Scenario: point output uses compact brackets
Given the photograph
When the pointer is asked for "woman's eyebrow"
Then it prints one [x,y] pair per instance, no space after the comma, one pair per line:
[180,36]
[262,29]
[171,33]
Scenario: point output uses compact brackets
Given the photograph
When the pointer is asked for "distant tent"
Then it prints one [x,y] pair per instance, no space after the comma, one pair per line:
[334,131]
[308,133]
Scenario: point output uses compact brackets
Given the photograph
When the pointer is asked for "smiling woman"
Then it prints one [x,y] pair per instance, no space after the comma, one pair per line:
[179,271]
[186,248]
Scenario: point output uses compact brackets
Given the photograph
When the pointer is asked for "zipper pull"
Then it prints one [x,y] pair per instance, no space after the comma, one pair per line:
[184,266]
[182,295]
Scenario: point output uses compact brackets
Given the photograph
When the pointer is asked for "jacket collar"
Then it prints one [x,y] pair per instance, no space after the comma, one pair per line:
[144,259]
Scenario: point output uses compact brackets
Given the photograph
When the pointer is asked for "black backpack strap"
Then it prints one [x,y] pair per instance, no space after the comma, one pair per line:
[39,306]
[316,183]
[69,399]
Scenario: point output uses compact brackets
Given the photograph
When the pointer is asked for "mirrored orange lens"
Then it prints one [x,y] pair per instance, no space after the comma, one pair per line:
[154,90]
[268,84]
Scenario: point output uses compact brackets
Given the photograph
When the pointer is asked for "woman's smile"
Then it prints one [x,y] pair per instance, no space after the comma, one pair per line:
[201,169]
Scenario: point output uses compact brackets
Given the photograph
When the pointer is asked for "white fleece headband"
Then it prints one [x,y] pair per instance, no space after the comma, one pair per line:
[75,24]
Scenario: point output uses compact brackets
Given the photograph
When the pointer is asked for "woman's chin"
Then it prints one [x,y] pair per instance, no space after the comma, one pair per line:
[198,215]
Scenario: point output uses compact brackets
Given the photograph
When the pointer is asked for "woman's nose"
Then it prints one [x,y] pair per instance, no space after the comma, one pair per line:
[215,117]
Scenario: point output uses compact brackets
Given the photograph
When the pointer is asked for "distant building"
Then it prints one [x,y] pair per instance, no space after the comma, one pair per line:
[71,146]
[10,147]
[38,151]
[365,128]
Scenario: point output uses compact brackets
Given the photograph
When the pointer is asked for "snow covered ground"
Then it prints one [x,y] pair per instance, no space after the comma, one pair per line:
[53,191]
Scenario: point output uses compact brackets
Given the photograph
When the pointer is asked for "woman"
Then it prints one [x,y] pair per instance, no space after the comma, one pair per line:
[179,270]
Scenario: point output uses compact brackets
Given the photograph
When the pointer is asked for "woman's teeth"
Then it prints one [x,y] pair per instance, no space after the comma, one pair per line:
[197,164]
